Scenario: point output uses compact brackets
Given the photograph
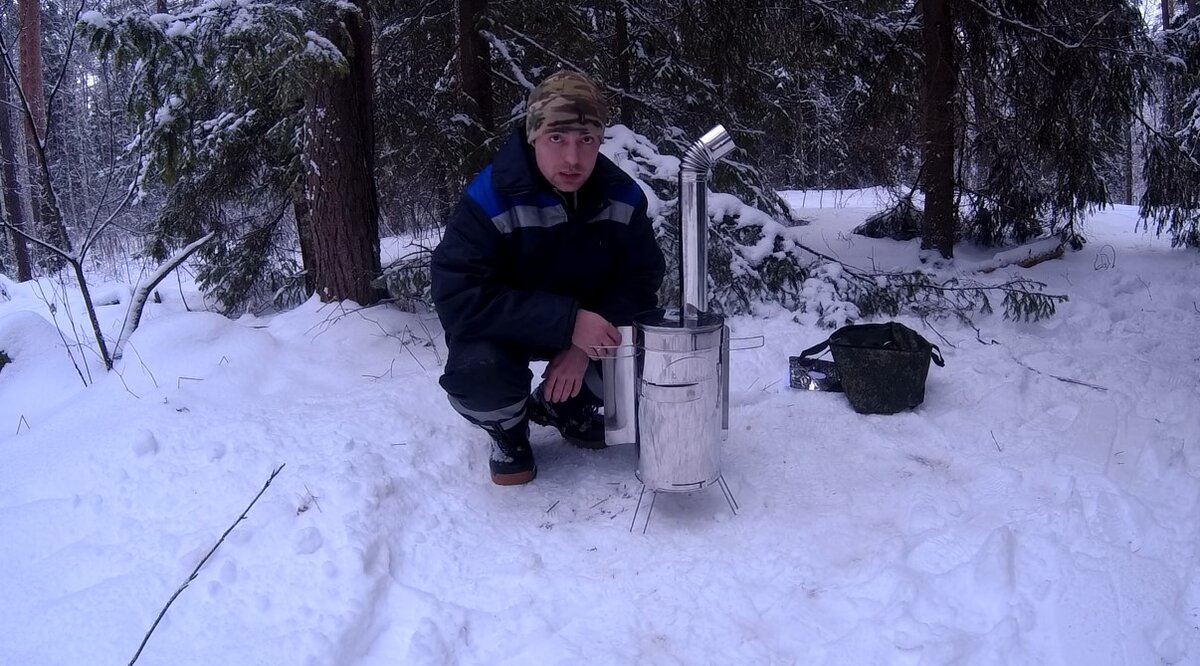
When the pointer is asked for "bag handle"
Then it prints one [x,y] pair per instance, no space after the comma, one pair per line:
[934,352]
[816,349]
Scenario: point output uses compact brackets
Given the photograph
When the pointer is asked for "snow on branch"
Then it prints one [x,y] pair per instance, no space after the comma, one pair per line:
[137,303]
[1039,31]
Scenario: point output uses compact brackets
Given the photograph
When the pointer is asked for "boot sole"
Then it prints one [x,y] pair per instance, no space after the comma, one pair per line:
[515,478]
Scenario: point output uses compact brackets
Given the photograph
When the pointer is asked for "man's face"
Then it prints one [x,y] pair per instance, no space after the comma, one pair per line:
[566,159]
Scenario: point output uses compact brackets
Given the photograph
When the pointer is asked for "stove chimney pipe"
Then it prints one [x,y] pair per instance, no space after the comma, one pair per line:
[694,169]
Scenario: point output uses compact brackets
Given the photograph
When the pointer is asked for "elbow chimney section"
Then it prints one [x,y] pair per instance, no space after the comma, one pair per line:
[694,169]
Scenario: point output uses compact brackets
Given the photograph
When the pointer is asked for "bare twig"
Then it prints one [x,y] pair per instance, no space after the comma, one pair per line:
[925,321]
[979,336]
[196,571]
[391,367]
[332,319]
[75,262]
[308,499]
[143,364]
[121,376]
[27,426]
[432,345]
[182,296]
[997,442]
[408,348]
[1061,379]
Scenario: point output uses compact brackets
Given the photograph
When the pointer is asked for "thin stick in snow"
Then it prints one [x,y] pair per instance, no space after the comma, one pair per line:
[196,571]
[1068,380]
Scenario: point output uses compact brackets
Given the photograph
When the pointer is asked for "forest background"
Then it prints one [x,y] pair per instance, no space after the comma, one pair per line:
[273,143]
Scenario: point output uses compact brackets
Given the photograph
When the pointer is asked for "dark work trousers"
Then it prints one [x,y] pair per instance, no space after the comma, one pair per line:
[488,381]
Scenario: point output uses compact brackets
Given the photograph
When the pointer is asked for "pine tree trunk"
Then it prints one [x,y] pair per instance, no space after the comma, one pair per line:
[623,57]
[340,179]
[1170,99]
[1127,167]
[47,215]
[938,33]
[303,213]
[475,69]
[14,205]
[980,158]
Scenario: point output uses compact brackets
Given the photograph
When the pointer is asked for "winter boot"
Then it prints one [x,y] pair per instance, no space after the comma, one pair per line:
[575,418]
[511,460]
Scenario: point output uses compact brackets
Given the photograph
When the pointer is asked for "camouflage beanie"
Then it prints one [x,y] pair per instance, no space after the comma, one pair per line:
[566,102]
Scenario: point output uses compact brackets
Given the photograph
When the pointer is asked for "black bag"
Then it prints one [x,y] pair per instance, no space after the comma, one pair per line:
[882,366]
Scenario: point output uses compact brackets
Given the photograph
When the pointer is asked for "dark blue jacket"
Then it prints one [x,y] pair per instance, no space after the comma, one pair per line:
[518,258]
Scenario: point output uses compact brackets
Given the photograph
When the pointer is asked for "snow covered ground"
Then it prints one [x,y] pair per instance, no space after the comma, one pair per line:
[1014,518]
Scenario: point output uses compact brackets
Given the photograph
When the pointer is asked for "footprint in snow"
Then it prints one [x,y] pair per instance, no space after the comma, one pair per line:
[145,444]
[308,541]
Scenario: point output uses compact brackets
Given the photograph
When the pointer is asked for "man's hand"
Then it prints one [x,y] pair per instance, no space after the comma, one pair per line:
[564,374]
[594,335]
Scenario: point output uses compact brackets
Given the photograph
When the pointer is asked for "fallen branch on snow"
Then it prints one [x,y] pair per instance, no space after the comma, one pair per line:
[1068,380]
[196,571]
[1028,256]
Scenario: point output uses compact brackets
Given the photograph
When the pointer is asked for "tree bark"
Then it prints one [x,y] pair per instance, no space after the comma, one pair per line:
[47,214]
[475,69]
[1127,166]
[14,205]
[623,57]
[1170,98]
[939,87]
[340,176]
[303,212]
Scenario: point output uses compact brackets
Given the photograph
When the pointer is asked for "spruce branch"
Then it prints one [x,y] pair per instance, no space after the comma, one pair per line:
[888,293]
[1022,298]
[196,571]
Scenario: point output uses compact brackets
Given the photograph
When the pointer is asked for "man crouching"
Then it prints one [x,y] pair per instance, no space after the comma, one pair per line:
[549,250]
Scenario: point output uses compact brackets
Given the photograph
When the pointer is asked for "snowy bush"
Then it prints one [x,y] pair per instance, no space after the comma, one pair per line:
[750,258]
[407,281]
[900,221]
[5,359]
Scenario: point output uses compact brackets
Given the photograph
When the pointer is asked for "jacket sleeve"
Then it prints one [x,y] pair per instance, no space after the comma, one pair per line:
[472,300]
[640,273]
